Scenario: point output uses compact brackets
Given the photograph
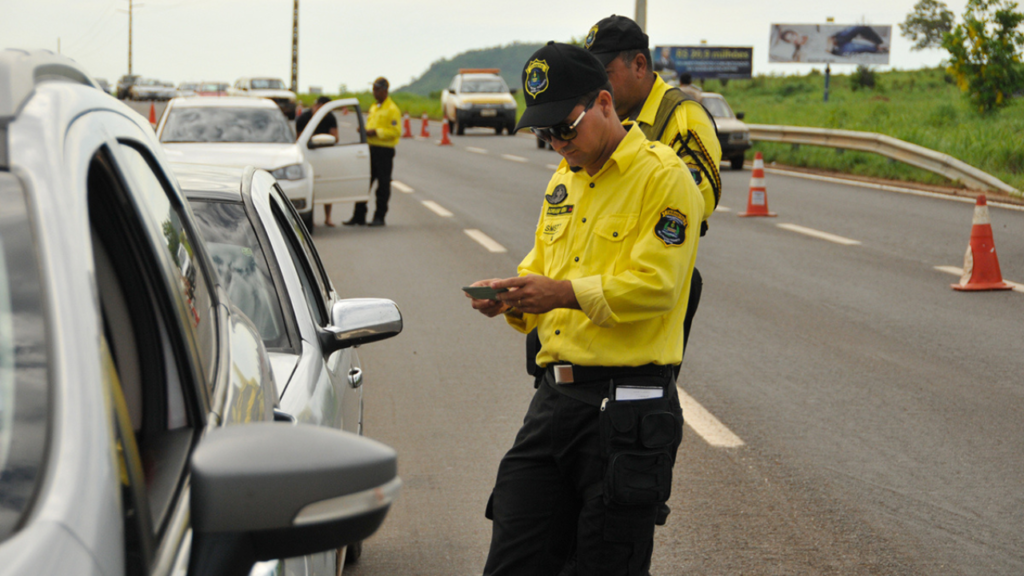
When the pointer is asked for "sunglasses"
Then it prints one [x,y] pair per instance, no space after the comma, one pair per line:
[563,131]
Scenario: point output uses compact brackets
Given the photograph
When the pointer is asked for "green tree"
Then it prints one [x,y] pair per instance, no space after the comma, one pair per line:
[985,52]
[927,23]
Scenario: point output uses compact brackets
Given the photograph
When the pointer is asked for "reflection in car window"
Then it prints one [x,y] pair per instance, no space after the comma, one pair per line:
[222,124]
[240,263]
[484,87]
[266,84]
[24,374]
[299,250]
[717,107]
[192,283]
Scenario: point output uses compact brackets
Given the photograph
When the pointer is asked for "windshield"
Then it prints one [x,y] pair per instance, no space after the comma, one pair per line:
[213,87]
[217,124]
[266,84]
[717,107]
[242,267]
[484,86]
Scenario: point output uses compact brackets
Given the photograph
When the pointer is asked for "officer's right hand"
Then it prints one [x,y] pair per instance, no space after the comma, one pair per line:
[489,308]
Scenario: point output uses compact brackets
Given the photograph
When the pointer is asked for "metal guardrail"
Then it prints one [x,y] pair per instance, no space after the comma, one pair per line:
[887,146]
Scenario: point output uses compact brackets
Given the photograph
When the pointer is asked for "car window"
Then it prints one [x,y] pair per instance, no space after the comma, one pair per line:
[717,107]
[267,84]
[241,264]
[24,359]
[488,86]
[299,249]
[349,120]
[223,124]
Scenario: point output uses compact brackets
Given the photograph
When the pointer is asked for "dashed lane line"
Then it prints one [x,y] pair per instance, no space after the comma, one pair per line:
[437,209]
[475,150]
[401,187]
[552,166]
[721,208]
[485,240]
[705,424]
[1017,287]
[514,158]
[819,234]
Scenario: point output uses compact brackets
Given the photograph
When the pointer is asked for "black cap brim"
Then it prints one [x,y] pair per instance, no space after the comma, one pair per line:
[606,57]
[548,114]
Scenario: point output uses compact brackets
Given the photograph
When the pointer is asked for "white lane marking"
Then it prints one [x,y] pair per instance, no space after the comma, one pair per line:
[720,208]
[437,209]
[514,158]
[552,166]
[402,187]
[705,424]
[819,234]
[485,240]
[888,188]
[1017,287]
[475,150]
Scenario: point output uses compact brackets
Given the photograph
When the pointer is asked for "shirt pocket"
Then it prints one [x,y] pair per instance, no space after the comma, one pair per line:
[553,237]
[614,235]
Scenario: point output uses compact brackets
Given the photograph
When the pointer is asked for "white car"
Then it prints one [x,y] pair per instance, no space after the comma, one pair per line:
[269,88]
[151,89]
[239,132]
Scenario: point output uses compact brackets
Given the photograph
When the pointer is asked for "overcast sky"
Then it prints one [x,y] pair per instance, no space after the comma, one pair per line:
[346,42]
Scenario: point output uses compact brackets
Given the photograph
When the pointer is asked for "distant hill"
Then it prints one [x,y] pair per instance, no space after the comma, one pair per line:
[510,59]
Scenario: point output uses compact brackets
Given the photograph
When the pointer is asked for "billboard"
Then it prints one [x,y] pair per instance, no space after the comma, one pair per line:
[830,43]
[703,61]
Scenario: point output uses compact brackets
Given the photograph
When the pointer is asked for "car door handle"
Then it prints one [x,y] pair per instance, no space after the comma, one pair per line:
[355,377]
[282,416]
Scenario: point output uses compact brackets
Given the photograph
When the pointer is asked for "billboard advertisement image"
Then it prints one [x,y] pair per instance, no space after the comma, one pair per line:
[703,62]
[830,43]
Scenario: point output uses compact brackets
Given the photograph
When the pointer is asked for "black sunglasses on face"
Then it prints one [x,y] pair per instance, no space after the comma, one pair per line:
[563,131]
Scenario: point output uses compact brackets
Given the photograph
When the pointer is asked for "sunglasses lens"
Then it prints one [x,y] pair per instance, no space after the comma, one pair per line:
[561,132]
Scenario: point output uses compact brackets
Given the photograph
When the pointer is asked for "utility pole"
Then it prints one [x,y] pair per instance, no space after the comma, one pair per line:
[641,14]
[129,37]
[295,47]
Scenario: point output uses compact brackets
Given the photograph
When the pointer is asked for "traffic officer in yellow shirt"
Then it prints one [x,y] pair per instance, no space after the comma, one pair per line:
[613,254]
[664,114]
[382,134]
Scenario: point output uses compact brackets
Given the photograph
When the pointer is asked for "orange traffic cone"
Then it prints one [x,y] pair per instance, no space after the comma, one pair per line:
[407,126]
[757,199]
[445,141]
[424,133]
[152,114]
[981,265]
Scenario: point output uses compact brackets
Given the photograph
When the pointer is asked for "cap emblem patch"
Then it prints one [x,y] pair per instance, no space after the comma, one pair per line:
[536,77]
[591,36]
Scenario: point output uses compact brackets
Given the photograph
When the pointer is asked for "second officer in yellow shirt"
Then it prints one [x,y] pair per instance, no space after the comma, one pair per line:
[613,254]
[382,134]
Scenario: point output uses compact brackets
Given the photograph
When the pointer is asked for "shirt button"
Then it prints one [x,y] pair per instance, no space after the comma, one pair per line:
[591,184]
[557,332]
[615,234]
[577,259]
[584,220]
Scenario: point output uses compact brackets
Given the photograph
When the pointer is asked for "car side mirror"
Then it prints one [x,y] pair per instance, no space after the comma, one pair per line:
[357,321]
[740,115]
[264,491]
[321,141]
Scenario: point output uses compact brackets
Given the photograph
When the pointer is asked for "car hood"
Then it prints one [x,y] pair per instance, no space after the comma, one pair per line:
[282,365]
[237,154]
[273,94]
[730,125]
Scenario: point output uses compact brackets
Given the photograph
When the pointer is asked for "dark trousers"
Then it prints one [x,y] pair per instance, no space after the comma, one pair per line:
[382,161]
[549,511]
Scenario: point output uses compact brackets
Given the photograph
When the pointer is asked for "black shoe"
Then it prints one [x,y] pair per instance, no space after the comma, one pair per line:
[354,222]
[376,223]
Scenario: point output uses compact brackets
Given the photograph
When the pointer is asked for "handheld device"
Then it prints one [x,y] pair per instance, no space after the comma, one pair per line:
[483,292]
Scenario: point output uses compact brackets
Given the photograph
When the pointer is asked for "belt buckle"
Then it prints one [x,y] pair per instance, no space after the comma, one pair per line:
[563,374]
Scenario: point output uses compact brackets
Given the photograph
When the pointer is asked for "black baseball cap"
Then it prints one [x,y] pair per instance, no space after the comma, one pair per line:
[554,79]
[613,35]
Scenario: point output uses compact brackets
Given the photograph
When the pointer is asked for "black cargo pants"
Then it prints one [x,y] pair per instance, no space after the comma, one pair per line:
[556,498]
[382,162]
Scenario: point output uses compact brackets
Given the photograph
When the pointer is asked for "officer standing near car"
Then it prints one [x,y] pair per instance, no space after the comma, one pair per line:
[663,113]
[382,134]
[613,254]
[329,125]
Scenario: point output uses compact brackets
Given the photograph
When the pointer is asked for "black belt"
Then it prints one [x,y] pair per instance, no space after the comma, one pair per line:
[573,374]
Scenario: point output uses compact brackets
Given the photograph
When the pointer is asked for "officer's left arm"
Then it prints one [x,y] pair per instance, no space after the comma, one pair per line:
[704,150]
[661,259]
[388,128]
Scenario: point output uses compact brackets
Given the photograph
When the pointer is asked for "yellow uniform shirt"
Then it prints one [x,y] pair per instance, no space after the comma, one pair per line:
[688,117]
[627,239]
[385,118]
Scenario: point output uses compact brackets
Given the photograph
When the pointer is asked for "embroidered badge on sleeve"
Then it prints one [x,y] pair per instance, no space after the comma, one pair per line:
[671,228]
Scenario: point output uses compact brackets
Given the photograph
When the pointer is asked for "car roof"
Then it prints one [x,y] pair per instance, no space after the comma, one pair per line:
[225,102]
[480,76]
[200,181]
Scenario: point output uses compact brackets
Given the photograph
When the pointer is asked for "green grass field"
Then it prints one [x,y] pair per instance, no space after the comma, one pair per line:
[918,106]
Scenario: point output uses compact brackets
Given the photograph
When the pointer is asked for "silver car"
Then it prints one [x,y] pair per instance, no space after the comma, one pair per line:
[137,404]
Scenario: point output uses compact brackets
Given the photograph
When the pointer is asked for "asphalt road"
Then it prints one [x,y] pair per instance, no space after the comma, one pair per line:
[847,412]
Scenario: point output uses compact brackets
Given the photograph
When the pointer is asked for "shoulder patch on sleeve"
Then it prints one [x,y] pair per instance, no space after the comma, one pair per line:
[671,227]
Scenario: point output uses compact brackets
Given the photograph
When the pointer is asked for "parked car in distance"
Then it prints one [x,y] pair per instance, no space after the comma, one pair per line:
[241,132]
[269,88]
[151,89]
[733,134]
[141,437]
[213,89]
[271,270]
[124,85]
[103,84]
[479,97]
[186,89]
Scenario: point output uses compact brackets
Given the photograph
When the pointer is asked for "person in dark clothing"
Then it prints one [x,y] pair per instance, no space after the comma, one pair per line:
[326,126]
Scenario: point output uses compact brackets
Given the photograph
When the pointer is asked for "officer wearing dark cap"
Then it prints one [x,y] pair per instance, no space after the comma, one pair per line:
[663,113]
[613,254]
